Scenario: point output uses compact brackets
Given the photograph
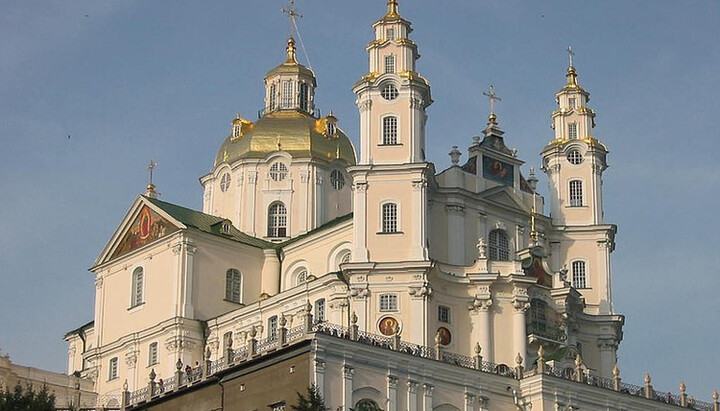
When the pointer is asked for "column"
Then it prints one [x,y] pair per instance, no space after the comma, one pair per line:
[603,280]
[360,251]
[427,397]
[455,234]
[412,387]
[305,203]
[608,358]
[392,393]
[177,278]
[418,306]
[188,311]
[485,330]
[519,331]
[347,387]
[469,402]
[319,379]
[360,306]
[318,205]
[131,362]
[252,200]
[419,229]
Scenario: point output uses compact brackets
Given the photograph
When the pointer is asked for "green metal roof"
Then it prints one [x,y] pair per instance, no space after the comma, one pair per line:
[208,223]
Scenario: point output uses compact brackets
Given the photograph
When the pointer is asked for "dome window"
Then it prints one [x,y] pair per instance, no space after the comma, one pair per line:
[278,171]
[337,179]
[389,92]
[574,157]
[330,129]
[225,182]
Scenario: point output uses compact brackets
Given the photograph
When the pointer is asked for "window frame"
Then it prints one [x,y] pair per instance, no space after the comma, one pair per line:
[287,98]
[578,273]
[390,131]
[337,179]
[278,220]
[225,181]
[389,92]
[278,171]
[390,33]
[113,369]
[272,103]
[388,302]
[447,317]
[233,285]
[153,354]
[320,310]
[390,64]
[304,96]
[574,157]
[575,193]
[390,218]
[573,131]
[138,287]
[272,328]
[497,251]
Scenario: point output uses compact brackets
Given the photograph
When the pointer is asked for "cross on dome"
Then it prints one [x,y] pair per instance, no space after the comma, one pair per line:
[150,169]
[493,97]
[571,54]
[292,13]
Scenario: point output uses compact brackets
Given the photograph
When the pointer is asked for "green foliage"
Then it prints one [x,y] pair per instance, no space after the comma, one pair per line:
[313,402]
[26,399]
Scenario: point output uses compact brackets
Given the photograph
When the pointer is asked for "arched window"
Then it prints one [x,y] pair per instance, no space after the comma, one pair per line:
[153,354]
[233,286]
[390,129]
[499,246]
[301,276]
[389,218]
[576,193]
[137,287]
[225,182]
[277,220]
[278,171]
[390,64]
[579,274]
[273,97]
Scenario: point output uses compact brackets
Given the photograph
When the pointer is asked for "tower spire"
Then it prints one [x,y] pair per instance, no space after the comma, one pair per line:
[392,9]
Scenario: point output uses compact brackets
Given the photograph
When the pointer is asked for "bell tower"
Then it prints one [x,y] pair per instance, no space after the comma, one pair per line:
[390,180]
[574,162]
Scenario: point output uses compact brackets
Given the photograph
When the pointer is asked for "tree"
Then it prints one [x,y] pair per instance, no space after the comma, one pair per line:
[26,399]
[313,402]
[366,405]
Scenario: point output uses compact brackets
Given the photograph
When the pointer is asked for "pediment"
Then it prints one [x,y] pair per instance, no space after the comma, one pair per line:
[144,224]
[504,196]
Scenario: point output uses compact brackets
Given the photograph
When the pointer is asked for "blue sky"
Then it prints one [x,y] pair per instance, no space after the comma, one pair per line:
[133,80]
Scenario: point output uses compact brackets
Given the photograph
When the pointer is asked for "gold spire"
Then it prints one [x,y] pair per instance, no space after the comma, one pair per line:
[291,58]
[392,12]
[571,74]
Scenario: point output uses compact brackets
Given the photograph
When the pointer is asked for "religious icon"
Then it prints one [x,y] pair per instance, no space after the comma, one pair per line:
[389,326]
[444,336]
[147,227]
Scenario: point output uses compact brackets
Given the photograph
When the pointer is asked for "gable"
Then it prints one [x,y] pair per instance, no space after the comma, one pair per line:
[147,227]
[502,195]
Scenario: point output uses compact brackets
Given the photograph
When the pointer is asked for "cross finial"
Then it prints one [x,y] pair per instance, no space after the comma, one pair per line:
[571,54]
[150,169]
[493,97]
[292,13]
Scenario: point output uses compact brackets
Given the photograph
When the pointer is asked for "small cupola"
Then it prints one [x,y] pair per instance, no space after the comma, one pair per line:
[290,86]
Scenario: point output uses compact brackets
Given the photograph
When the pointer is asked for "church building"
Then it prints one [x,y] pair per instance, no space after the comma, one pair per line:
[364,271]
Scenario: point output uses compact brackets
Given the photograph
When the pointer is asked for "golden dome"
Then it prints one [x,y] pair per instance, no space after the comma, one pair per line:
[294,132]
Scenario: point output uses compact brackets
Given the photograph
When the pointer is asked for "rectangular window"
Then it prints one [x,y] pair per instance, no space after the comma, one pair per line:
[304,96]
[390,129]
[390,34]
[232,285]
[113,368]
[272,328]
[579,274]
[320,310]
[388,302]
[153,354]
[389,218]
[571,102]
[287,95]
[444,314]
[273,97]
[572,131]
[227,342]
[279,406]
[390,64]
[576,193]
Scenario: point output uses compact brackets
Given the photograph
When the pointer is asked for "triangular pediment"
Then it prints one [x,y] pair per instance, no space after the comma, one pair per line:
[504,196]
[144,224]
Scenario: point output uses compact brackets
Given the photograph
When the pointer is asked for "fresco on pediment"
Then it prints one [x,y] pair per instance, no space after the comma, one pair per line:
[498,171]
[147,227]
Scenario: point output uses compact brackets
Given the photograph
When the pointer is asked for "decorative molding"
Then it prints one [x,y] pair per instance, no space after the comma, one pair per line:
[304,176]
[319,366]
[423,291]
[428,389]
[360,187]
[131,358]
[318,179]
[348,372]
[99,282]
[392,382]
[455,209]
[521,306]
[240,179]
[419,184]
[364,105]
[252,177]
[412,386]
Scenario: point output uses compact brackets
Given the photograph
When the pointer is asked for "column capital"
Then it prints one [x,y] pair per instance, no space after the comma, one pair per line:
[412,386]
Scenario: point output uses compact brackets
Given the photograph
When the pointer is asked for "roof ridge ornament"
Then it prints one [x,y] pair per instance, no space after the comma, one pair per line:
[571,73]
[392,9]
[291,51]
[150,189]
[492,118]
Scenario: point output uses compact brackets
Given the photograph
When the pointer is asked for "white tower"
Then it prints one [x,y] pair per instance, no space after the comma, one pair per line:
[390,180]
[574,162]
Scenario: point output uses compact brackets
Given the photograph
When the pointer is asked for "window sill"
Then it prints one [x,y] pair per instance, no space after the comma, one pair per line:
[576,206]
[234,302]
[390,145]
[136,307]
[389,232]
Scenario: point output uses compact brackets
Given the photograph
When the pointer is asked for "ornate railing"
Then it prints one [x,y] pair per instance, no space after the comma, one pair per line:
[183,378]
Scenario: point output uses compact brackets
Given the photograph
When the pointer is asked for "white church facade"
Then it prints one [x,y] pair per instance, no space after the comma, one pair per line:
[300,229]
